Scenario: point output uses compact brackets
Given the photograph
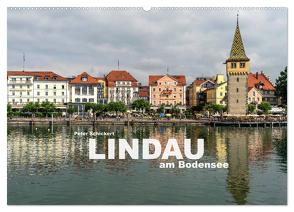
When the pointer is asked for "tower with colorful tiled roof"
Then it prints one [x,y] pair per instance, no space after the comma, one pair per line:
[237,68]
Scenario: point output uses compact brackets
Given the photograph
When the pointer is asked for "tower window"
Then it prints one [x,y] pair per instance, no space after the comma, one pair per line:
[233,65]
[242,65]
[237,100]
[237,79]
[237,90]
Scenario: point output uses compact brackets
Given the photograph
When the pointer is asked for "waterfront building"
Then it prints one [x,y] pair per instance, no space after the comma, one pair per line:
[168,90]
[254,95]
[237,68]
[218,93]
[197,96]
[143,93]
[265,87]
[122,86]
[85,88]
[36,86]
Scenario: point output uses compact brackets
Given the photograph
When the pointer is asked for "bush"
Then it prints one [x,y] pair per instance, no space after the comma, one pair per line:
[265,107]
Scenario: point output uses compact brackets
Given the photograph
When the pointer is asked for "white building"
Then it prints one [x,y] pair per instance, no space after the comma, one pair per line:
[31,86]
[86,88]
[122,86]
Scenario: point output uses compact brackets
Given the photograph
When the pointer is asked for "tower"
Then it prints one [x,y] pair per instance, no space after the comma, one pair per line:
[237,68]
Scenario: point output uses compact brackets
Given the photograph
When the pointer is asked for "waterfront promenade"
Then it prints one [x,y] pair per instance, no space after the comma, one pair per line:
[270,121]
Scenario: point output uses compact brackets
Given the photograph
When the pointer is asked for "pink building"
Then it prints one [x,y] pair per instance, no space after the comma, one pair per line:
[167,90]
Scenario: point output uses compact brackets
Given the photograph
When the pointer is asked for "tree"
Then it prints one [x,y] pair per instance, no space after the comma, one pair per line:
[281,86]
[265,107]
[48,108]
[160,109]
[251,107]
[9,110]
[116,107]
[141,105]
[215,108]
[197,108]
[71,110]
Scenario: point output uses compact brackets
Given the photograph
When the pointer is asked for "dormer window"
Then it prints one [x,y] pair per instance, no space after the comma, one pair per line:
[242,65]
[84,79]
[233,65]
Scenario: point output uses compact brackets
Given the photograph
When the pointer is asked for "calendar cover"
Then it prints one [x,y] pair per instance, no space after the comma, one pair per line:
[171,106]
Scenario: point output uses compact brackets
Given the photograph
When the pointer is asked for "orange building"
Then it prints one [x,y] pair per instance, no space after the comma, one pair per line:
[169,90]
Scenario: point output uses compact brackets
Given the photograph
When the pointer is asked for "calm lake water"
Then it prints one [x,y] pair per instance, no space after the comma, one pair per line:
[46,167]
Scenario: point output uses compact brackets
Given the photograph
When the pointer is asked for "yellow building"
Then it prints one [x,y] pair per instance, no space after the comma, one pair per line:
[196,90]
[217,94]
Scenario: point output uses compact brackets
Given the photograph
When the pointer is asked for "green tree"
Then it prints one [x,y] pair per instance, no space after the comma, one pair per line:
[265,107]
[215,108]
[281,86]
[71,110]
[160,109]
[116,107]
[9,111]
[251,108]
[48,108]
[141,105]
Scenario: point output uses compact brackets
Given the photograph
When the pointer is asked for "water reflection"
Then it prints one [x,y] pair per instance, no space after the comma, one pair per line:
[39,152]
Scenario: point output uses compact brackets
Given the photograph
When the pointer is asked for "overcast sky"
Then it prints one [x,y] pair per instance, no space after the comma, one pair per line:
[191,42]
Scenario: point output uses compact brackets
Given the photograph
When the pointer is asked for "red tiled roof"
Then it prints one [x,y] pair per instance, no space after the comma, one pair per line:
[198,82]
[181,79]
[120,75]
[78,79]
[255,79]
[38,75]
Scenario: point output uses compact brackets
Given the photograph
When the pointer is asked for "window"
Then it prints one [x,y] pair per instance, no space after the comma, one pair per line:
[46,93]
[54,100]
[77,100]
[91,100]
[28,93]
[175,83]
[77,90]
[84,90]
[46,86]
[84,79]
[38,93]
[253,93]
[62,93]
[28,86]
[91,90]
[242,65]
[54,93]
[159,89]
[13,86]
[237,101]
[175,102]
[221,94]
[28,100]
[20,93]
[153,89]
[20,100]
[233,65]
[13,101]
[154,102]
[54,86]
[237,79]
[13,93]
[62,100]
[175,89]
[20,86]
[237,90]
[38,100]
[84,100]
[38,86]
[249,98]
[62,86]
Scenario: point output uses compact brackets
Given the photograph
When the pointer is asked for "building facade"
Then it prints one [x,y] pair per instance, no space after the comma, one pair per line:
[197,96]
[36,86]
[143,93]
[169,90]
[237,69]
[85,88]
[218,93]
[122,86]
[254,96]
[263,84]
